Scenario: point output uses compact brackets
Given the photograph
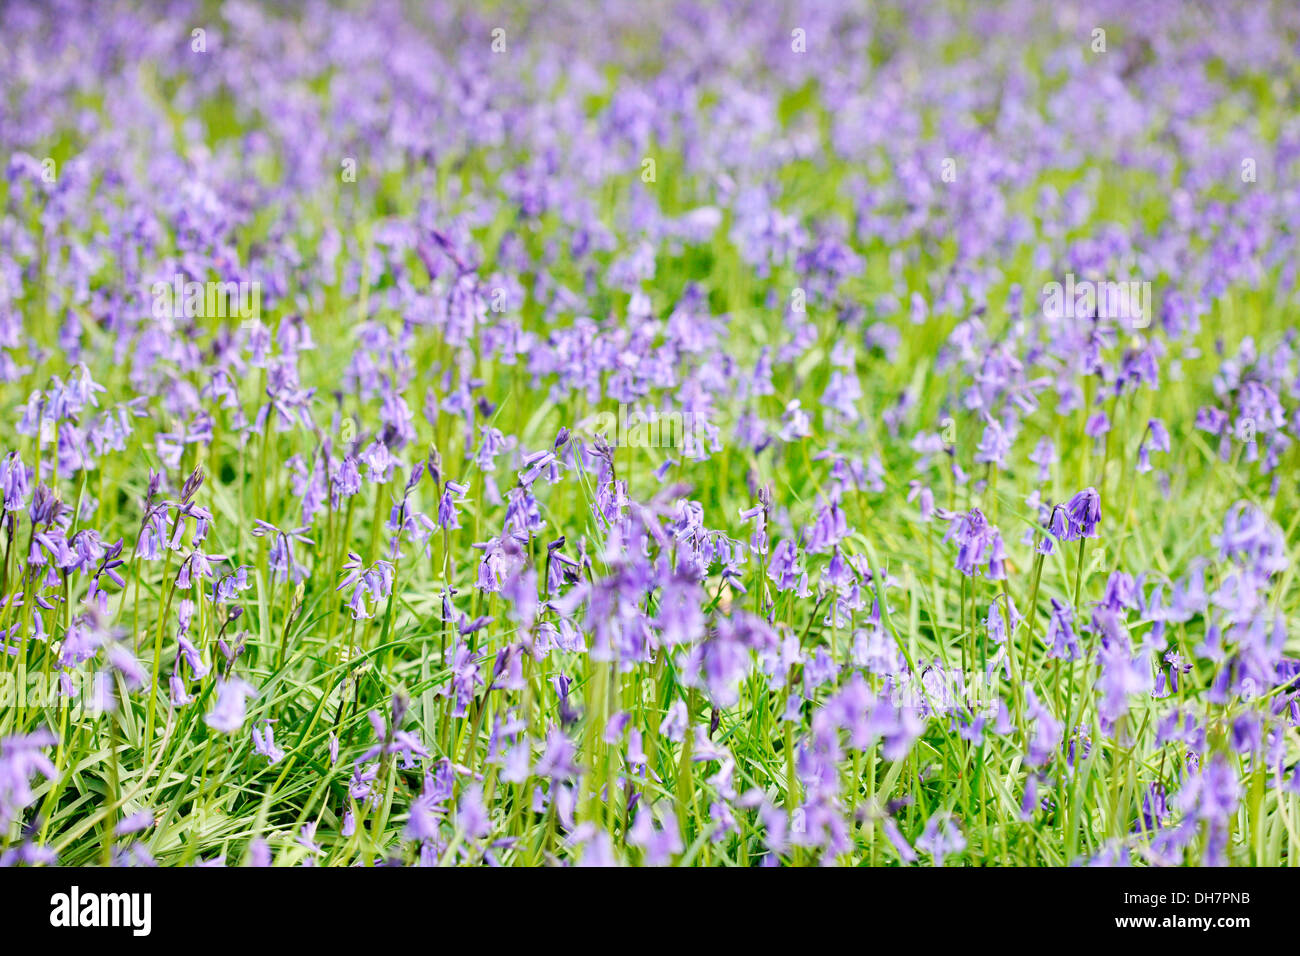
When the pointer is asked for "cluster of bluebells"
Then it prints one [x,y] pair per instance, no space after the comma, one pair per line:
[359,527]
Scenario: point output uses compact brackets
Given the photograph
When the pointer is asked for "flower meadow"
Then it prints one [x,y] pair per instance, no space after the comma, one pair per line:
[739,434]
